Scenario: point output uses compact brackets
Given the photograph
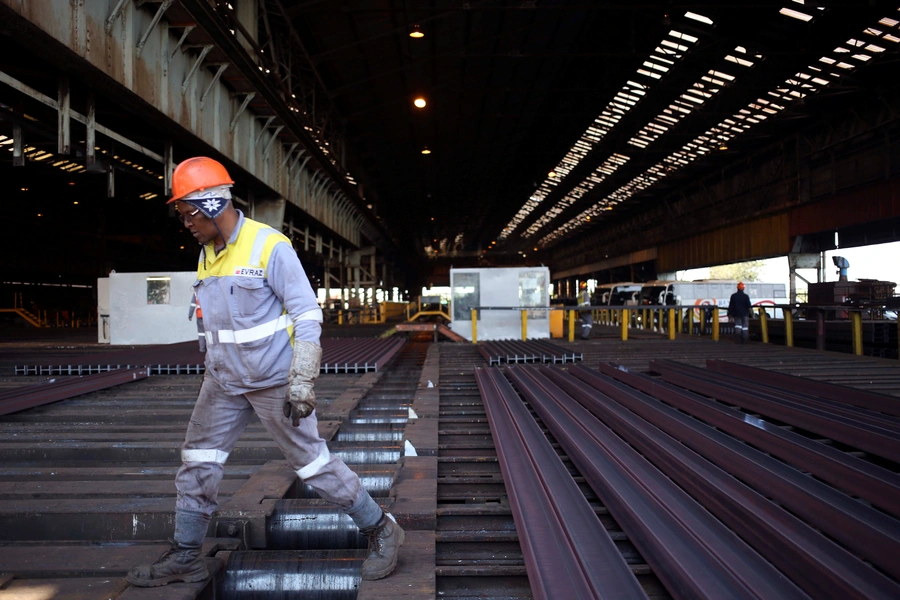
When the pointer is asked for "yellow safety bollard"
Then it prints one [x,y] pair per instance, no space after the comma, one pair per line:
[764,324]
[788,327]
[856,328]
[474,326]
[340,317]
[571,325]
[715,324]
[690,321]
[524,325]
[624,325]
[671,323]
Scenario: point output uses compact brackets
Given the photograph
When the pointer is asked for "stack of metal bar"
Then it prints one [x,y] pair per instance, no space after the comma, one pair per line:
[706,472]
[339,355]
[530,351]
[358,355]
[169,359]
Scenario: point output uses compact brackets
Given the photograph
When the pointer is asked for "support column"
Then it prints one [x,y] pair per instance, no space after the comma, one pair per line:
[268,211]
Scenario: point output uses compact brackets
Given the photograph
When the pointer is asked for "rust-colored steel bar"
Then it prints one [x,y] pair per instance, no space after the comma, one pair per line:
[493,359]
[820,567]
[164,359]
[875,484]
[516,351]
[567,551]
[357,355]
[864,530]
[839,393]
[865,437]
[44,393]
[840,410]
[691,552]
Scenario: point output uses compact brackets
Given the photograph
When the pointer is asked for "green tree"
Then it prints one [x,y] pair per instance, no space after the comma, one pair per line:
[743,271]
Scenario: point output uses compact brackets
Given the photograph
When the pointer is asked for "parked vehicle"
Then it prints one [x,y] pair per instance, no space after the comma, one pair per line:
[616,294]
[709,293]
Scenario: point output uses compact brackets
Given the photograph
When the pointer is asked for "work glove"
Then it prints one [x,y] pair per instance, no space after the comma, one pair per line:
[301,398]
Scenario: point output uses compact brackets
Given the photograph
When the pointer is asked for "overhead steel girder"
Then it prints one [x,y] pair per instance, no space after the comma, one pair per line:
[152,80]
[206,17]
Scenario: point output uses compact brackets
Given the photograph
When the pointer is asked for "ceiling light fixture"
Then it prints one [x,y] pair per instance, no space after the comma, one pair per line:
[551,174]
[419,102]
[416,32]
[425,150]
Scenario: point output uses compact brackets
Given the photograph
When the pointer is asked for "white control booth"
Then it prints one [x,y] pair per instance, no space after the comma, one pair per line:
[145,308]
[525,287]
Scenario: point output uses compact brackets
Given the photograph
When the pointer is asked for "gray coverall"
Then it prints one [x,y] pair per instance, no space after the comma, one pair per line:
[255,298]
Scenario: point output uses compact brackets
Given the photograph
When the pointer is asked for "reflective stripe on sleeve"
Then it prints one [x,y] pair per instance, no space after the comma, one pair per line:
[310,315]
[198,455]
[242,336]
[315,466]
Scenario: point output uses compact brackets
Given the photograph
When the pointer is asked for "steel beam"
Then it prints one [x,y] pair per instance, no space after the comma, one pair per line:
[63,110]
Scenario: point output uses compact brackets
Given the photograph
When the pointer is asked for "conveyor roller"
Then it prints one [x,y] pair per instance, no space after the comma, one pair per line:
[292,575]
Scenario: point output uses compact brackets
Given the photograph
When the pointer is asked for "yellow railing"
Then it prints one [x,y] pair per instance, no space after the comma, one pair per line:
[670,320]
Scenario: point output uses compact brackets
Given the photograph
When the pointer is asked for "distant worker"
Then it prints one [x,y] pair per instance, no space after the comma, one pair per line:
[587,317]
[261,327]
[739,307]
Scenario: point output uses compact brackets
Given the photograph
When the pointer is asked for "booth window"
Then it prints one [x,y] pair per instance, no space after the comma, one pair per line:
[158,290]
[533,292]
[466,294]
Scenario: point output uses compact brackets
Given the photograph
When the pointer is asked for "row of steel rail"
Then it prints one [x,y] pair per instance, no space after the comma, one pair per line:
[531,351]
[339,355]
[720,502]
[93,372]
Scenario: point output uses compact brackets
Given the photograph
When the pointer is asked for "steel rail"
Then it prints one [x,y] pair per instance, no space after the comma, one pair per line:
[863,529]
[818,566]
[567,551]
[692,553]
[355,355]
[519,351]
[843,411]
[44,393]
[875,484]
[183,357]
[871,439]
[839,393]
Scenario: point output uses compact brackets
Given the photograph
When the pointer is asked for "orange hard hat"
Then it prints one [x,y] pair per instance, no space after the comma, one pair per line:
[740,285]
[195,174]
[583,285]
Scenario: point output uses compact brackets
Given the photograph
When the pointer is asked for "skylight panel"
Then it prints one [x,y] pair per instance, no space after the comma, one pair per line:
[740,61]
[624,100]
[699,18]
[874,48]
[713,139]
[722,75]
[675,46]
[683,36]
[795,14]
[889,22]
[891,38]
[862,57]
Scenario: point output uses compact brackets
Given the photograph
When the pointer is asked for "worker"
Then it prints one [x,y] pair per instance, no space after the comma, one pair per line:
[587,317]
[262,327]
[739,306]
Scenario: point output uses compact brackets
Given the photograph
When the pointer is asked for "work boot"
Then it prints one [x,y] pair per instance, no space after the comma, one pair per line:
[178,564]
[385,540]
